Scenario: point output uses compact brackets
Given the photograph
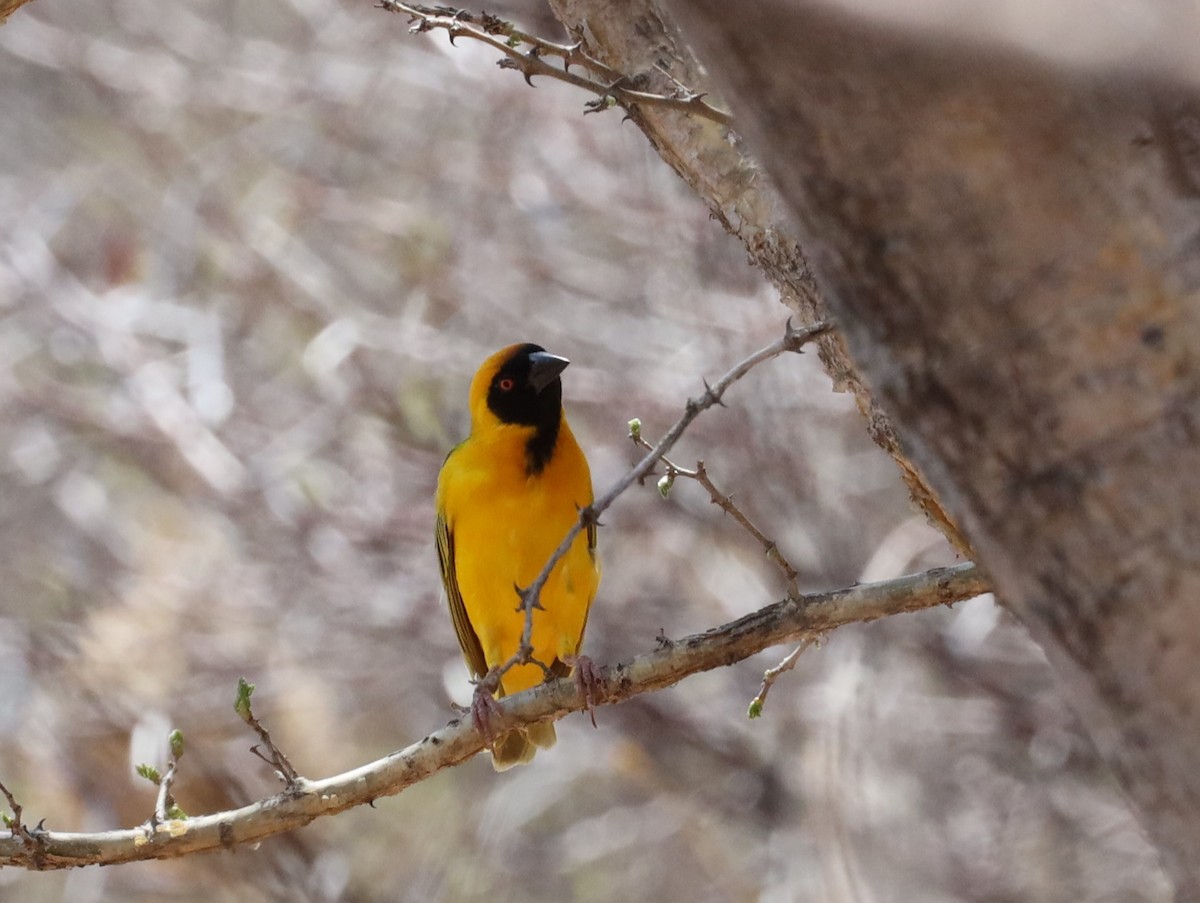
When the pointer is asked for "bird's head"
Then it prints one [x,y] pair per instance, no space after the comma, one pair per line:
[518,385]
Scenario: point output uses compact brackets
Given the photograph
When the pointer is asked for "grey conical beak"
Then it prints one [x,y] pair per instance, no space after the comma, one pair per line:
[545,368]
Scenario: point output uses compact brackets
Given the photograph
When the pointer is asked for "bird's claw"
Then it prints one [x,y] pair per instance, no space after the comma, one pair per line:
[589,681]
[483,710]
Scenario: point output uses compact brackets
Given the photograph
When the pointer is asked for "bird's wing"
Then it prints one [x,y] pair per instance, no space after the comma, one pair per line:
[558,668]
[462,624]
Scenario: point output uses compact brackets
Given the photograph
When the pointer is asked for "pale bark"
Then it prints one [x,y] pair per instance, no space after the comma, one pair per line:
[1013,255]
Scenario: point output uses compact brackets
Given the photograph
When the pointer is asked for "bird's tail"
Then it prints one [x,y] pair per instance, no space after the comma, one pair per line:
[518,747]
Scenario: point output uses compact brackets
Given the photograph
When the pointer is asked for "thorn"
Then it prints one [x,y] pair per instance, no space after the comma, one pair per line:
[713,396]
[589,517]
[524,596]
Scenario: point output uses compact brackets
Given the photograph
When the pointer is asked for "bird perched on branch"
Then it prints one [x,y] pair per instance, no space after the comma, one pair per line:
[506,498]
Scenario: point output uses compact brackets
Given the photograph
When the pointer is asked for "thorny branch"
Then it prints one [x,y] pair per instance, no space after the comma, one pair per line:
[784,621]
[611,88]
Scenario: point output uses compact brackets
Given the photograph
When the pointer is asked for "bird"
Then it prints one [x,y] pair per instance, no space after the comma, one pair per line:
[506,497]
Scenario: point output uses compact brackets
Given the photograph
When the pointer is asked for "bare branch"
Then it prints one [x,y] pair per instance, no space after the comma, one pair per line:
[615,89]
[307,800]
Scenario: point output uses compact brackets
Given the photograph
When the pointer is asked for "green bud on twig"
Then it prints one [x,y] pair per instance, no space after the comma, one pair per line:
[665,482]
[241,705]
[176,740]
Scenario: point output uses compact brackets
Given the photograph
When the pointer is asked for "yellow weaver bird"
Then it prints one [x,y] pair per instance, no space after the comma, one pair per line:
[506,497]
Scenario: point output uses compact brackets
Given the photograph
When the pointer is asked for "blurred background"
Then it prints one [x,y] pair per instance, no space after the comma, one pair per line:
[250,256]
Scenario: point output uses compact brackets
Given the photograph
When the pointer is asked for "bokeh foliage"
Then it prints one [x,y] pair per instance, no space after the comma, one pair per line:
[250,255]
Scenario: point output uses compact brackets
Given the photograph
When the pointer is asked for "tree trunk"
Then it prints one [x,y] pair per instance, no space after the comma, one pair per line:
[1013,254]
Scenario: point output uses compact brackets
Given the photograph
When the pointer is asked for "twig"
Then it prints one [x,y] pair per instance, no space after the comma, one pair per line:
[274,757]
[31,841]
[164,803]
[772,674]
[724,502]
[781,622]
[615,86]
[15,823]
[793,339]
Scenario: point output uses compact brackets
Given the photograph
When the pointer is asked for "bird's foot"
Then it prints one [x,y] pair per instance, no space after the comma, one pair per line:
[483,710]
[589,681]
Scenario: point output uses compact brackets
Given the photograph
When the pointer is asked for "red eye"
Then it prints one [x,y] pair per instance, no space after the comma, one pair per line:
[506,384]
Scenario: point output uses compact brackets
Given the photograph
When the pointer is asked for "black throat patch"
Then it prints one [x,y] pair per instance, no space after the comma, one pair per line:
[540,447]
